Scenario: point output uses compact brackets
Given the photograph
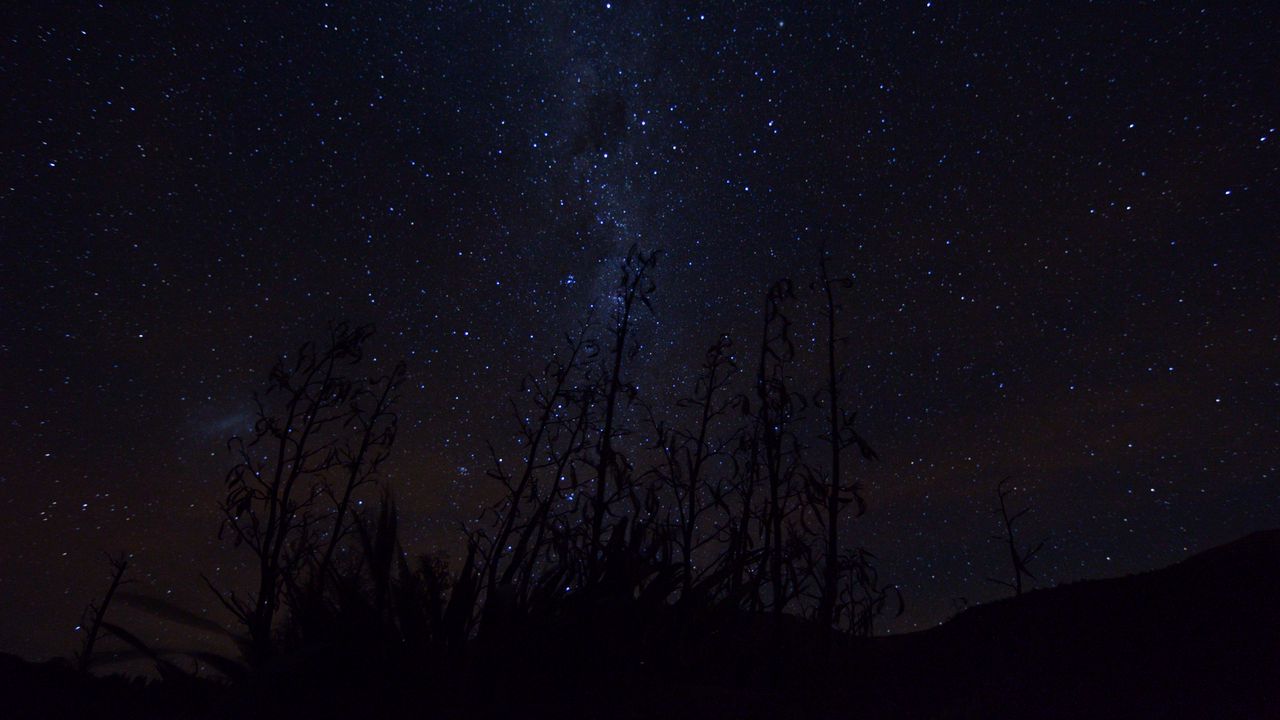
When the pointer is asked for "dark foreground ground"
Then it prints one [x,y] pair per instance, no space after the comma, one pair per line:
[1200,639]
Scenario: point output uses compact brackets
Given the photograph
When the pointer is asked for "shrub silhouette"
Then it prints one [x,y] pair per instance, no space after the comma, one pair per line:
[696,540]
[320,436]
[1019,558]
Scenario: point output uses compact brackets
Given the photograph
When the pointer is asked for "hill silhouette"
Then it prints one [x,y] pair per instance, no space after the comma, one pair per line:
[1198,639]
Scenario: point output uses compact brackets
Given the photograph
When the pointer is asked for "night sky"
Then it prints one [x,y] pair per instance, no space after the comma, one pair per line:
[1061,219]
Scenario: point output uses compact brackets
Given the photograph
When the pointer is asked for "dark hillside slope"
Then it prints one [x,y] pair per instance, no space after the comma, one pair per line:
[1199,638]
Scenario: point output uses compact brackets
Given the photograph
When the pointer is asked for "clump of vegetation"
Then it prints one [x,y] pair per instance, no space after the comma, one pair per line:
[704,540]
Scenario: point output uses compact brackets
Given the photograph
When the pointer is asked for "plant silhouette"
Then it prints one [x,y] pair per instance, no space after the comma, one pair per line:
[628,537]
[1019,558]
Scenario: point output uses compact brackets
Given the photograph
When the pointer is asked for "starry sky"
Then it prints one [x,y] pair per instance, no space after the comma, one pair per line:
[1060,217]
